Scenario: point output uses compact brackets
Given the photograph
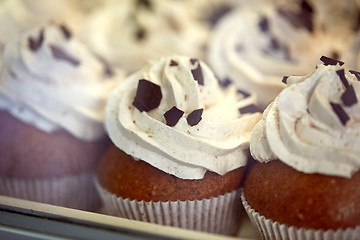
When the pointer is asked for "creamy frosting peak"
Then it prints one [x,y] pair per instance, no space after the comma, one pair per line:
[50,80]
[208,133]
[314,124]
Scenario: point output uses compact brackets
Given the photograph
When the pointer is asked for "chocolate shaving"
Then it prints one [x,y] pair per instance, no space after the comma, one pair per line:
[148,96]
[108,71]
[65,31]
[193,61]
[245,94]
[173,116]
[329,61]
[173,63]
[264,24]
[284,80]
[339,111]
[341,74]
[140,34]
[225,83]
[357,74]
[198,75]
[60,54]
[349,96]
[335,55]
[252,108]
[194,117]
[34,44]
[304,18]
[217,14]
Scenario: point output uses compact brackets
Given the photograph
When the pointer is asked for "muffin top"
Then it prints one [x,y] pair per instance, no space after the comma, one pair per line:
[50,80]
[313,124]
[256,46]
[174,115]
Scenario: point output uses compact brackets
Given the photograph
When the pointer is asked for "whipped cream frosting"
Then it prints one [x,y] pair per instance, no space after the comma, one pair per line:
[314,124]
[218,142]
[256,46]
[50,80]
[129,33]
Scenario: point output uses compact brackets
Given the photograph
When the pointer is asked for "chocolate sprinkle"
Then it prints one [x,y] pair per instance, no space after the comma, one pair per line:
[198,75]
[349,96]
[173,63]
[249,109]
[35,44]
[264,24]
[62,55]
[339,111]
[194,117]
[329,61]
[357,74]
[65,31]
[148,96]
[284,80]
[245,94]
[173,116]
[341,74]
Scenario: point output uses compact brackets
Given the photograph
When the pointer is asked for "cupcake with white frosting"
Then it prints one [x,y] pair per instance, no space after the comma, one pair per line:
[304,184]
[130,33]
[52,97]
[255,46]
[180,145]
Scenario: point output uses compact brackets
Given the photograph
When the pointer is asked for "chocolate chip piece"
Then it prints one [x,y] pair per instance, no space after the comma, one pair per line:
[198,75]
[193,61]
[65,31]
[34,44]
[148,96]
[264,24]
[303,18]
[194,117]
[60,54]
[252,108]
[173,116]
[329,61]
[335,55]
[173,63]
[357,74]
[225,83]
[284,80]
[339,111]
[140,34]
[244,93]
[341,74]
[349,96]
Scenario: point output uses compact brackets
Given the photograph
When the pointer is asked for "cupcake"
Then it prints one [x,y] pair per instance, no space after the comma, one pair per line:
[52,98]
[255,46]
[130,33]
[180,147]
[304,184]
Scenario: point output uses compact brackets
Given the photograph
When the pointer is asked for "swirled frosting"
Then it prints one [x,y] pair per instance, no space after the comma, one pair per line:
[130,33]
[314,124]
[215,141]
[255,47]
[50,80]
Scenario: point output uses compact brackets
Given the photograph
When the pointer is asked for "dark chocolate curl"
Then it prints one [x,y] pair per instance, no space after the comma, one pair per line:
[198,75]
[349,97]
[339,111]
[148,96]
[249,109]
[341,74]
[34,44]
[62,55]
[173,116]
[357,74]
[194,117]
[284,80]
[329,61]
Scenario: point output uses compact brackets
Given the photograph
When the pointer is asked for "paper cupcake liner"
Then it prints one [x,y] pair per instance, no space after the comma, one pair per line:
[272,230]
[219,215]
[73,191]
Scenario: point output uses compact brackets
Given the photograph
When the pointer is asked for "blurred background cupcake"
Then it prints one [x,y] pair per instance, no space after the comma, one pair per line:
[304,184]
[257,44]
[181,146]
[52,97]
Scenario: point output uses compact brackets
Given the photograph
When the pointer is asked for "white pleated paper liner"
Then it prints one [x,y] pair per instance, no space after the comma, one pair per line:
[73,191]
[271,230]
[220,215]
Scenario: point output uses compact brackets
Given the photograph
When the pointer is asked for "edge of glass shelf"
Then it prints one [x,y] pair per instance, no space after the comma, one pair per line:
[35,220]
